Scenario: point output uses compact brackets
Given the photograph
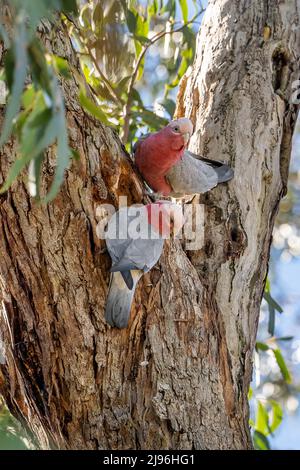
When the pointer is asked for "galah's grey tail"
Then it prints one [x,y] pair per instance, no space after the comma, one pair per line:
[194,174]
[224,172]
[119,298]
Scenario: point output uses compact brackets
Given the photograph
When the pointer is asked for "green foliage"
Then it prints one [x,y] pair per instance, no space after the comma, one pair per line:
[91,107]
[184,9]
[279,358]
[16,70]
[12,437]
[268,417]
[269,413]
[277,415]
[113,39]
[262,419]
[260,441]
[35,113]
[273,307]
[282,365]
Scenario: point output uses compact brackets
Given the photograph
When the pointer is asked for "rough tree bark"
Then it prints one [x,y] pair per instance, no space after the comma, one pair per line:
[178,377]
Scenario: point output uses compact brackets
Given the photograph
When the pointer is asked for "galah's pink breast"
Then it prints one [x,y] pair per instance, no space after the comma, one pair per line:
[154,157]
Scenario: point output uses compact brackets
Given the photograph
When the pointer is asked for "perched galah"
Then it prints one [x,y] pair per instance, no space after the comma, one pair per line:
[170,169]
[134,239]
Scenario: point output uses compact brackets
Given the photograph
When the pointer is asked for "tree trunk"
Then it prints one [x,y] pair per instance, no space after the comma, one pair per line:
[178,376]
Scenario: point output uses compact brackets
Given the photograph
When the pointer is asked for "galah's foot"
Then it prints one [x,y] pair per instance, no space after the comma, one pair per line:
[190,199]
[154,196]
[148,192]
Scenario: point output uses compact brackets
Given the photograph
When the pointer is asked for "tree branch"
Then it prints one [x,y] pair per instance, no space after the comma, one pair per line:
[112,91]
[89,53]
[145,48]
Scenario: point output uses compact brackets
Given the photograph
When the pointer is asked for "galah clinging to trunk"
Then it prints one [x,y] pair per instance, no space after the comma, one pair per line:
[135,240]
[170,169]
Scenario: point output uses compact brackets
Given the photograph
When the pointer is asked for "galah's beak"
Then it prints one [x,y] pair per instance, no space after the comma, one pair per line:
[186,138]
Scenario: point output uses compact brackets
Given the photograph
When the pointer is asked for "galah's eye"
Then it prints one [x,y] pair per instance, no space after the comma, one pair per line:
[176,128]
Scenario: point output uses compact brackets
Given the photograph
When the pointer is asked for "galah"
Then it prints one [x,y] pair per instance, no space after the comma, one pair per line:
[135,239]
[170,169]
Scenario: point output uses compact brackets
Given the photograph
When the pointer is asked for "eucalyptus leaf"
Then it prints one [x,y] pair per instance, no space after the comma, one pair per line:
[61,66]
[63,158]
[89,106]
[34,176]
[152,119]
[282,365]
[184,9]
[69,6]
[272,302]
[34,11]
[261,346]
[98,16]
[271,322]
[260,441]
[19,75]
[273,306]
[262,419]
[143,39]
[28,97]
[32,144]
[131,19]
[9,68]
[39,68]
[136,96]
[277,415]
[169,106]
[153,8]
[285,338]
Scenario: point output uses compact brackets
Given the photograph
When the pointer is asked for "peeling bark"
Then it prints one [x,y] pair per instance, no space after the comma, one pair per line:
[178,377]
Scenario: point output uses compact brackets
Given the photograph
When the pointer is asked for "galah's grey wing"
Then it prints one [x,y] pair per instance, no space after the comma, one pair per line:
[118,261]
[196,175]
[117,243]
[139,254]
[225,173]
[190,176]
[117,238]
[127,253]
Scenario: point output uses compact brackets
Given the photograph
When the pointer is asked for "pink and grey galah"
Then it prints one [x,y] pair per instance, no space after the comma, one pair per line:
[135,238]
[170,169]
